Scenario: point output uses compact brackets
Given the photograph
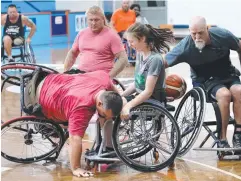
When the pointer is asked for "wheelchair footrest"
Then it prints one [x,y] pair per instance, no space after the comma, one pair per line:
[97,158]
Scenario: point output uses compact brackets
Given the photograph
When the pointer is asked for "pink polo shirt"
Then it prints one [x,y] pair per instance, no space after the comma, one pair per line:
[97,50]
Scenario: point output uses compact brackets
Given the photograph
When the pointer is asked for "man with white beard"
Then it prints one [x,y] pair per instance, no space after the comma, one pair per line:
[207,52]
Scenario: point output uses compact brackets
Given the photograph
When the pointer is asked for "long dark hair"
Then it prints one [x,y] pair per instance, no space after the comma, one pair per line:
[157,39]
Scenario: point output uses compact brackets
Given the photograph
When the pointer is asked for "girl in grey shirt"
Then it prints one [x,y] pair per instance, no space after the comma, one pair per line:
[150,70]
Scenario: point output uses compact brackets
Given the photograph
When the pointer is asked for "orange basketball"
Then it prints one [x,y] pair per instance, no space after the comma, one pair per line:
[175,86]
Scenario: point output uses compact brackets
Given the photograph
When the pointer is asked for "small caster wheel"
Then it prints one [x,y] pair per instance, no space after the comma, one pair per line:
[155,156]
[95,167]
[221,156]
[88,165]
[172,165]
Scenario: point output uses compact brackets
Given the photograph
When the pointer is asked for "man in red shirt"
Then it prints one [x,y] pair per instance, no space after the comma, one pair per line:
[75,98]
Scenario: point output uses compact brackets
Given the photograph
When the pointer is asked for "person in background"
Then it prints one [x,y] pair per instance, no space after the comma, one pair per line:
[139,17]
[97,46]
[13,32]
[122,18]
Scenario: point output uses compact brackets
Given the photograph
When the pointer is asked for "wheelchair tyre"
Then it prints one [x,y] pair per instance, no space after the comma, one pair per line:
[119,85]
[148,139]
[190,128]
[19,69]
[51,139]
[29,54]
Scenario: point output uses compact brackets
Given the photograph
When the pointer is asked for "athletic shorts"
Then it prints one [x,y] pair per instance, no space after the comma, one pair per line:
[213,91]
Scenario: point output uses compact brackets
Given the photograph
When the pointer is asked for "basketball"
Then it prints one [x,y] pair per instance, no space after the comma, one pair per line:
[175,86]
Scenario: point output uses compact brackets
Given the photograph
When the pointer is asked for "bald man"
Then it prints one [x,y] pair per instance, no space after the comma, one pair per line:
[207,52]
[123,18]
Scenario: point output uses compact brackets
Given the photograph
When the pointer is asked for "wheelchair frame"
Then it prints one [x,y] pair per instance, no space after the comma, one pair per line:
[221,152]
[99,157]
[26,53]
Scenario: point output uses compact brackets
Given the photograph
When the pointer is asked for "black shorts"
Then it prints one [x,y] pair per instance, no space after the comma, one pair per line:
[213,91]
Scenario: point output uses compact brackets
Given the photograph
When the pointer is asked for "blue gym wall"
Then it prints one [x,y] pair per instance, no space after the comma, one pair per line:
[47,31]
[30,6]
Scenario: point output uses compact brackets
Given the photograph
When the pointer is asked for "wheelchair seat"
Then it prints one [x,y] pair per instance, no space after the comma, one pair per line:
[30,104]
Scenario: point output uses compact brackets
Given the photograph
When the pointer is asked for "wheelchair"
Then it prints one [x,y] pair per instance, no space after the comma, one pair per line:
[190,116]
[25,53]
[143,142]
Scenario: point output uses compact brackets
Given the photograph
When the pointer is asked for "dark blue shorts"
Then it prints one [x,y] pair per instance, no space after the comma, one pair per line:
[235,81]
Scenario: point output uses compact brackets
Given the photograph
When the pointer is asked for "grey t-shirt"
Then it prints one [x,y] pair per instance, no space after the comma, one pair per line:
[212,61]
[152,66]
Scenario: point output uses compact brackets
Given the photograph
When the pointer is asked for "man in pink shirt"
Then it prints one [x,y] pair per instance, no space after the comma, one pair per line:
[75,98]
[97,46]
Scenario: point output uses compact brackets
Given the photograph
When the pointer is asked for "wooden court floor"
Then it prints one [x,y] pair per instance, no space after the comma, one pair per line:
[195,165]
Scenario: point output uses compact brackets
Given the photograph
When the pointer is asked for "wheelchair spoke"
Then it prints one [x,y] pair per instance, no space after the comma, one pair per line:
[37,138]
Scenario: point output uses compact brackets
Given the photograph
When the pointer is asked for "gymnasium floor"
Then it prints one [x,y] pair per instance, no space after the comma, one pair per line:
[195,165]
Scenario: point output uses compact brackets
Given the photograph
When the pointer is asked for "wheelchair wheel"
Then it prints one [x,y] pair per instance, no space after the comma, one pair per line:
[29,54]
[30,139]
[12,72]
[143,143]
[189,116]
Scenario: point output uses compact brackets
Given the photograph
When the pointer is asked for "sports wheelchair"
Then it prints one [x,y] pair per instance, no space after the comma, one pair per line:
[25,53]
[190,115]
[143,142]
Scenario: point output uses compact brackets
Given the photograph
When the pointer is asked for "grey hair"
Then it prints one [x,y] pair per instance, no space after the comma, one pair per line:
[113,101]
[96,10]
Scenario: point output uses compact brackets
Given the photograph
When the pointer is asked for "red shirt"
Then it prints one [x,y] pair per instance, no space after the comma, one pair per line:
[72,97]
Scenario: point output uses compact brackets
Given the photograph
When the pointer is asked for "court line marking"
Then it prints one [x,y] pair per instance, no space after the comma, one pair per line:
[211,167]
[5,169]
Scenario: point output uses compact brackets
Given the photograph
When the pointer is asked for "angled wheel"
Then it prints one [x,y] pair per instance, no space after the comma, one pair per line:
[144,143]
[119,85]
[29,54]
[30,139]
[189,116]
[12,72]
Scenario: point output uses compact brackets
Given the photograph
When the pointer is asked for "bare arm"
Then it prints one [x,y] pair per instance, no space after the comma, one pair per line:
[3,19]
[29,23]
[239,52]
[165,62]
[120,64]
[146,94]
[70,59]
[75,151]
[130,90]
[112,25]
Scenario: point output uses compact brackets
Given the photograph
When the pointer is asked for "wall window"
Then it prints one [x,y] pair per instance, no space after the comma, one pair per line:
[151,3]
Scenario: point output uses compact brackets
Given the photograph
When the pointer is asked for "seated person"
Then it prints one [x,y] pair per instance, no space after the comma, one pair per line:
[75,98]
[13,33]
[150,70]
[207,52]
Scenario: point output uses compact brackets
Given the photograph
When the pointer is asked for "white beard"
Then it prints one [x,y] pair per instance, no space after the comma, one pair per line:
[200,45]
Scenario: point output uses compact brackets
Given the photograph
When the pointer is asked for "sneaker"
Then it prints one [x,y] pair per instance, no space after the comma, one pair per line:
[223,144]
[237,140]
[10,60]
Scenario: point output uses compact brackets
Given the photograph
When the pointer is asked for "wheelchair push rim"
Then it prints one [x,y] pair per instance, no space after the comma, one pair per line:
[11,72]
[144,148]
[35,139]
[190,122]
